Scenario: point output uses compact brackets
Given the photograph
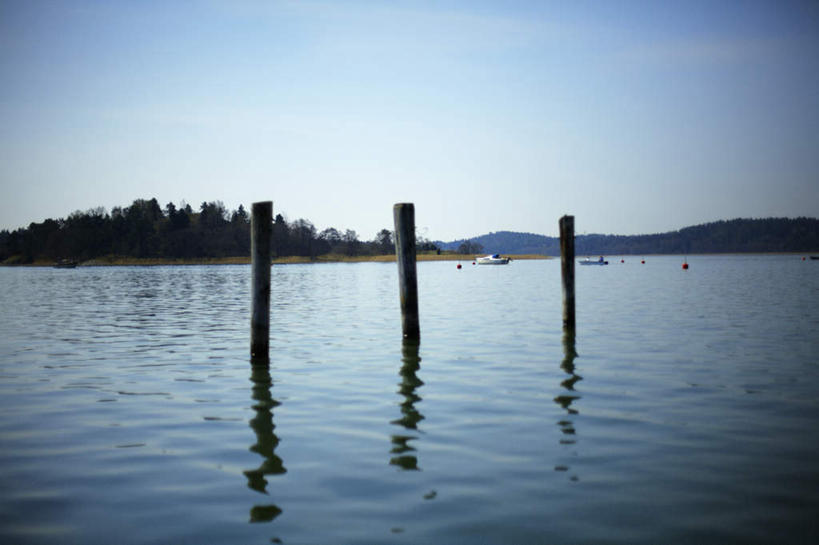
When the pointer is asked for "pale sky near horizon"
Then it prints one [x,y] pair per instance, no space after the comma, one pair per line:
[636,117]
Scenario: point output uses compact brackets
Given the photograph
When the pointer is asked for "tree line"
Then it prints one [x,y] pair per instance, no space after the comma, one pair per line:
[731,236]
[146,230]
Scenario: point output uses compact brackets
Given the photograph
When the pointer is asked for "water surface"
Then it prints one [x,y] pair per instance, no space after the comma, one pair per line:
[684,411]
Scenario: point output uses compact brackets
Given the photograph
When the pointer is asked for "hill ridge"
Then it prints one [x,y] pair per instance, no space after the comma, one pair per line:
[740,235]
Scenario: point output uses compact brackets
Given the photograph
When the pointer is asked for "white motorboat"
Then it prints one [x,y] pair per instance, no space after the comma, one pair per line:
[588,261]
[494,259]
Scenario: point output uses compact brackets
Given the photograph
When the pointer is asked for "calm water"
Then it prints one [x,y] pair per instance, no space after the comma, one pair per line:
[129,411]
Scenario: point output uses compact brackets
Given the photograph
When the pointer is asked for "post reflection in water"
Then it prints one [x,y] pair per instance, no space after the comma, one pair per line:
[410,417]
[266,442]
[565,400]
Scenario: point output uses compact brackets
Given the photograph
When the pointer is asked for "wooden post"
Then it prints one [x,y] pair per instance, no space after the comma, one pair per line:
[404,216]
[261,228]
[567,270]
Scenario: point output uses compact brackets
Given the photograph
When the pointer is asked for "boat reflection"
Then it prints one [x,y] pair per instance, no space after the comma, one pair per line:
[410,416]
[567,399]
[266,442]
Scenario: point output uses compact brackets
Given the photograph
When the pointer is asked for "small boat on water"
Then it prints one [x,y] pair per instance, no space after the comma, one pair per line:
[494,259]
[815,257]
[588,261]
[65,264]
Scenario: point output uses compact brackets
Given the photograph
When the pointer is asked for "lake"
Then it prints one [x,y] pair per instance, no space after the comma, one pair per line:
[684,411]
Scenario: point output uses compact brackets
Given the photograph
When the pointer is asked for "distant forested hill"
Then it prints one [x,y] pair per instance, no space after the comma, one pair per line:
[146,230]
[738,235]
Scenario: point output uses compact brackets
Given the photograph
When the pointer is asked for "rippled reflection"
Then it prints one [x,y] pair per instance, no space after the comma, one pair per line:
[567,399]
[410,416]
[266,442]
[569,355]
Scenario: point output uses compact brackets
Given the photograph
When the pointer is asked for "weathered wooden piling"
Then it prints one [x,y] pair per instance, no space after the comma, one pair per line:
[404,216]
[567,270]
[261,228]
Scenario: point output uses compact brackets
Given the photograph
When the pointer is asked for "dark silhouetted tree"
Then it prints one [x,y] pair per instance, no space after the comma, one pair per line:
[384,243]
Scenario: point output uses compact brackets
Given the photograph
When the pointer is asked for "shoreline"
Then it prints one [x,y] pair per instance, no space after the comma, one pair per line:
[121,261]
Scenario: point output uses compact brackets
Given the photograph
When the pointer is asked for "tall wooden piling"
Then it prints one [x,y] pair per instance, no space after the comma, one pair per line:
[261,228]
[404,216]
[567,270]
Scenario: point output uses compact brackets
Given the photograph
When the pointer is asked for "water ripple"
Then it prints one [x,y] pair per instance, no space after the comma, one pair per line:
[684,408]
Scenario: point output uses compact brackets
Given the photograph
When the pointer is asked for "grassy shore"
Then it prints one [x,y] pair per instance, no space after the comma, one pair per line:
[329,258]
[245,260]
[336,258]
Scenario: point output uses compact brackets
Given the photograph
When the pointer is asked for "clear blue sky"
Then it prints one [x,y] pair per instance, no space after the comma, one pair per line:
[636,117]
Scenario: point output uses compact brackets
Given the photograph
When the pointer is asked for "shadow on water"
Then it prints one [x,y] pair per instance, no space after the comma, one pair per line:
[567,399]
[266,442]
[410,417]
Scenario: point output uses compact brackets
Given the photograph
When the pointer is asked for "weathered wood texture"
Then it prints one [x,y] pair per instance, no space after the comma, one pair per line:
[261,228]
[404,216]
[567,269]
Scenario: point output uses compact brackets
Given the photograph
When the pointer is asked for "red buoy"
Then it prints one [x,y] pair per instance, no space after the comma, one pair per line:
[459,266]
[622,261]
[685,266]
[643,261]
